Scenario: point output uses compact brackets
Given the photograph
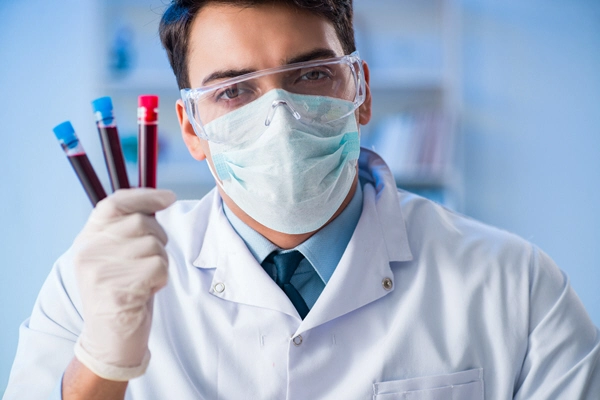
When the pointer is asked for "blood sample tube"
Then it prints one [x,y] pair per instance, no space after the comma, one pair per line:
[111,145]
[80,162]
[147,140]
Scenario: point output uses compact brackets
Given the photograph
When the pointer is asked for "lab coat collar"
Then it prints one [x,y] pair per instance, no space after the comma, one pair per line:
[375,170]
[379,238]
[238,276]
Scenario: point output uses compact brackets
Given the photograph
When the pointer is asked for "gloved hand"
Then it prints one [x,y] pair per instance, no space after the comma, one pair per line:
[120,262]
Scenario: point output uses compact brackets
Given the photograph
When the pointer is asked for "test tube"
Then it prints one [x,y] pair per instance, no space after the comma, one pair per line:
[111,145]
[79,161]
[147,140]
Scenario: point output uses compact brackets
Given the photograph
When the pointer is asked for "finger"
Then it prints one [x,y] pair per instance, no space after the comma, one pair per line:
[103,251]
[145,268]
[156,273]
[135,225]
[129,201]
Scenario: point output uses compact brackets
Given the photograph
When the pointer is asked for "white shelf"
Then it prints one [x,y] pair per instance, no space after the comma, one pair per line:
[361,6]
[185,172]
[176,173]
[143,81]
[405,79]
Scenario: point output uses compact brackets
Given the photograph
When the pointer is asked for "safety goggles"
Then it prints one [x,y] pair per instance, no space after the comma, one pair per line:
[340,78]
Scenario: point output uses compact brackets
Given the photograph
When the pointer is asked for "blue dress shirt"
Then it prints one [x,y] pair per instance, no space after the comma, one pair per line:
[322,251]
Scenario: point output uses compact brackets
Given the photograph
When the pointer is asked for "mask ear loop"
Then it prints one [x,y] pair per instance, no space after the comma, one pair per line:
[217,180]
[199,131]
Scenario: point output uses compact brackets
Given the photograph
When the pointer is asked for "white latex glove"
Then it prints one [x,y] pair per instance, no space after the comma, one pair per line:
[120,262]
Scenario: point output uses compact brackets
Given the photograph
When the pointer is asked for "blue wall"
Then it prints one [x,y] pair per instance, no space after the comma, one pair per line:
[46,76]
[531,78]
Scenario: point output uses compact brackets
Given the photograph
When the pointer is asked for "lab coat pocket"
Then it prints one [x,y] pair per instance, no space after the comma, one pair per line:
[465,385]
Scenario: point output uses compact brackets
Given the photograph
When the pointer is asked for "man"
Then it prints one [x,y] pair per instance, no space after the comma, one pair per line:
[305,274]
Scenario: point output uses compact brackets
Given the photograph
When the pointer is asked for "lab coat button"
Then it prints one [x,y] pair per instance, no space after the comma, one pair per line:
[219,287]
[297,340]
[387,284]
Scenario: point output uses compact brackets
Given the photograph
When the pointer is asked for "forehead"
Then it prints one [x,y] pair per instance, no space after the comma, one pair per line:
[225,37]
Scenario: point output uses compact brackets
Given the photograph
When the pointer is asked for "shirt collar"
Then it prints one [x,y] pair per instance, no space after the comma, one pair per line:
[323,250]
[259,246]
[217,240]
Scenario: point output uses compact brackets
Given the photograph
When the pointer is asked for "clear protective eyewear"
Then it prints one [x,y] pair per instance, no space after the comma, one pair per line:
[340,78]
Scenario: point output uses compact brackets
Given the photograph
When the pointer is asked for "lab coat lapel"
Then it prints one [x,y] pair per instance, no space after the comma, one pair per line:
[379,238]
[238,277]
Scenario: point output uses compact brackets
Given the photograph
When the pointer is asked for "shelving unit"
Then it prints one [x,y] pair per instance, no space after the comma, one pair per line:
[411,47]
[134,64]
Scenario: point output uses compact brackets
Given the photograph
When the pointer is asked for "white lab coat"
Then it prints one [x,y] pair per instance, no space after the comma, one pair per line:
[424,304]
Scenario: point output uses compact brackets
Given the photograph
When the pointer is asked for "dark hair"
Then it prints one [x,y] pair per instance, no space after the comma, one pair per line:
[175,25]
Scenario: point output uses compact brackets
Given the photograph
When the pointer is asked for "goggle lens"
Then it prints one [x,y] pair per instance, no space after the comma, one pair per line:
[339,78]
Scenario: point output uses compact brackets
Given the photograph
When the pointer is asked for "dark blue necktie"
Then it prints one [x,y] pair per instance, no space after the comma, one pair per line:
[285,266]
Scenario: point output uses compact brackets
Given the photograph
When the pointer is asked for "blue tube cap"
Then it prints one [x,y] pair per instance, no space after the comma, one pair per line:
[65,133]
[103,108]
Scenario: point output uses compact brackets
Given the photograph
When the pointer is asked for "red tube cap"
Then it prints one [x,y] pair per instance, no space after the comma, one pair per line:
[148,109]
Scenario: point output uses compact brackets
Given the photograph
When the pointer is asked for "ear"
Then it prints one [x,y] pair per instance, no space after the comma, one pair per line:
[192,141]
[364,111]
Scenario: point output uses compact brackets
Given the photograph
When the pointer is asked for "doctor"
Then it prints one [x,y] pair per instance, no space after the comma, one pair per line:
[305,274]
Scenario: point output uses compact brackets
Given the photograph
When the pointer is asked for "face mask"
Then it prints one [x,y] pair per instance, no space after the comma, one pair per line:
[289,176]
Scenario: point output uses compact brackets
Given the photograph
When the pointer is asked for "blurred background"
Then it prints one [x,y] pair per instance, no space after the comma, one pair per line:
[489,107]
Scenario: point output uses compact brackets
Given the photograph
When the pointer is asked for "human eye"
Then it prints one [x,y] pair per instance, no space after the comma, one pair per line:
[315,74]
[233,96]
[228,93]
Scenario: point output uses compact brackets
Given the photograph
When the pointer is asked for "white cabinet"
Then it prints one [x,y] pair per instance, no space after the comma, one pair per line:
[411,47]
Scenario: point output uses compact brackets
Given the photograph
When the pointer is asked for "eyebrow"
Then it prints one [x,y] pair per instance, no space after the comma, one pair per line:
[316,54]
[226,74]
[233,73]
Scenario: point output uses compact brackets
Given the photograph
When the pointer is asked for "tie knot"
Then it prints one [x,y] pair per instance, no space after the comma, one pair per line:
[285,265]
